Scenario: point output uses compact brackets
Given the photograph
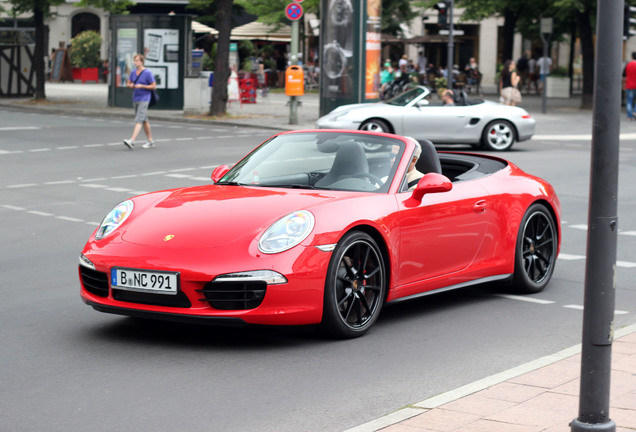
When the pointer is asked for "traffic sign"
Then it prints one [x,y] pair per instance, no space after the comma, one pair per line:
[294,11]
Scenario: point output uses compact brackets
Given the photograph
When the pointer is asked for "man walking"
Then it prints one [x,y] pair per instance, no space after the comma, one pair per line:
[629,84]
[545,66]
[142,81]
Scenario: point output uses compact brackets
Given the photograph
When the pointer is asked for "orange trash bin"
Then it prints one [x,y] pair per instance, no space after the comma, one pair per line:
[294,81]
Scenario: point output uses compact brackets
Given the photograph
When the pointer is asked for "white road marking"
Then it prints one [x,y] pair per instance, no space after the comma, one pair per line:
[570,257]
[39,213]
[525,299]
[580,307]
[18,186]
[578,137]
[13,128]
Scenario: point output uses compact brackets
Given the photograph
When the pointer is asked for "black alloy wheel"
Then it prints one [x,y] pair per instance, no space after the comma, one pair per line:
[536,251]
[355,287]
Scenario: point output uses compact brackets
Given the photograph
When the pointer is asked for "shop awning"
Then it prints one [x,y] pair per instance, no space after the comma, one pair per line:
[197,27]
[260,31]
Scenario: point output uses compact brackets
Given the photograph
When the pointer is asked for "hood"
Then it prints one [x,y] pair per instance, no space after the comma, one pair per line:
[214,216]
[344,108]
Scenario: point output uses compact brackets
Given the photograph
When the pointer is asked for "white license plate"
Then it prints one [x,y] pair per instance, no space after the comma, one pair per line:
[144,280]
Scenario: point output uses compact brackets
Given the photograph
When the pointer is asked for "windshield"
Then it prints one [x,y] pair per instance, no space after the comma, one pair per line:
[408,96]
[320,160]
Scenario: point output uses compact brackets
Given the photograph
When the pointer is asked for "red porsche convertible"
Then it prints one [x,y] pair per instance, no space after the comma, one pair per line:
[323,227]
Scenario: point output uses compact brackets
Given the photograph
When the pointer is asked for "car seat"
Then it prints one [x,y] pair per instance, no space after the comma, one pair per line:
[460,98]
[349,160]
[429,159]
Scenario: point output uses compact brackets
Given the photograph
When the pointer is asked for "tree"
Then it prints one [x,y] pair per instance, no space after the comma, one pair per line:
[394,14]
[273,11]
[523,16]
[41,9]
[585,15]
[219,14]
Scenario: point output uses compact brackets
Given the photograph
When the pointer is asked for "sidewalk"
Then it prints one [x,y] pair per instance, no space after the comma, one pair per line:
[540,396]
[270,112]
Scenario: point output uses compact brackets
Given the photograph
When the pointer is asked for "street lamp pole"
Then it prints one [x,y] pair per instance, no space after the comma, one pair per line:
[600,266]
[449,63]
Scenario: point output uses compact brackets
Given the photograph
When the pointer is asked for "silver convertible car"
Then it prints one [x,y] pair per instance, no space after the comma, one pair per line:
[481,123]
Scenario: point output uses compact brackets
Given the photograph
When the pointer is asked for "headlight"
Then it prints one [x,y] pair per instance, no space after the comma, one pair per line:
[287,232]
[116,217]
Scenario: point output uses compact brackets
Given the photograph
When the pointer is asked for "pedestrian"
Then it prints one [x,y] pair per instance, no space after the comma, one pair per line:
[629,84]
[522,69]
[386,78]
[403,62]
[142,81]
[508,83]
[533,75]
[545,66]
[472,75]
[421,63]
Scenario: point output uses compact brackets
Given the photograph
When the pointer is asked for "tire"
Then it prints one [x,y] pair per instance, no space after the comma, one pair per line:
[498,135]
[376,125]
[536,250]
[355,288]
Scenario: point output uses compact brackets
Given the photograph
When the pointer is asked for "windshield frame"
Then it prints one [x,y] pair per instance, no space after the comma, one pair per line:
[307,160]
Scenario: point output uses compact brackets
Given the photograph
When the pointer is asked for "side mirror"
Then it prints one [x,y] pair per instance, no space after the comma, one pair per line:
[422,103]
[219,172]
[431,183]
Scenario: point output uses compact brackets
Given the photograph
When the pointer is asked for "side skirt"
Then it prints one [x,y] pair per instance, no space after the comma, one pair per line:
[488,279]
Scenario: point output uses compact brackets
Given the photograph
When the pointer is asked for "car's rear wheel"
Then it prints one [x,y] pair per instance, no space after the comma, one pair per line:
[498,135]
[355,287]
[376,125]
[536,250]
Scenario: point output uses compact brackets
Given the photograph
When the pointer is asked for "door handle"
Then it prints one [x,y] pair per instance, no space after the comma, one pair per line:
[480,206]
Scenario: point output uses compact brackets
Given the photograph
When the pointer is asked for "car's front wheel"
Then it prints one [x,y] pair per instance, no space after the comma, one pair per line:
[355,287]
[376,125]
[536,250]
[498,135]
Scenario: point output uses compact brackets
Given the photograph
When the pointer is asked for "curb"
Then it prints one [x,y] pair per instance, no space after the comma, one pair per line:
[474,387]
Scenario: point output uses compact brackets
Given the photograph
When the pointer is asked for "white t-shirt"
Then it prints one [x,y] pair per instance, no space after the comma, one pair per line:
[544,64]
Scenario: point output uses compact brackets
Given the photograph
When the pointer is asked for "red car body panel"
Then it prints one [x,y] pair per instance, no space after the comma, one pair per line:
[447,239]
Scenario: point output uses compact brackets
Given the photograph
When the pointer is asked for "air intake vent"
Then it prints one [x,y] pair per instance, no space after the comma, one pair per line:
[234,295]
[94,282]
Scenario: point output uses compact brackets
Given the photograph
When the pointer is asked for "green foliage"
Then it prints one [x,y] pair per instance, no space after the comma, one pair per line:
[273,11]
[208,59]
[397,12]
[559,72]
[115,7]
[85,49]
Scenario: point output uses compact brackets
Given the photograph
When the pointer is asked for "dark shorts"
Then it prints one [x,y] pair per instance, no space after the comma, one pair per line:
[141,111]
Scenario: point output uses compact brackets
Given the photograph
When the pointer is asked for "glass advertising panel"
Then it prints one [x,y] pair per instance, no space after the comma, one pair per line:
[373,50]
[126,50]
[161,49]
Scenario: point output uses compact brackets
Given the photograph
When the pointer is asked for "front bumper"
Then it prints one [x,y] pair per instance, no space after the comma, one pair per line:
[297,302]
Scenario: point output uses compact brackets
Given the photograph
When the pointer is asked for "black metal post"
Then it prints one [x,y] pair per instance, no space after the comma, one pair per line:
[449,63]
[598,315]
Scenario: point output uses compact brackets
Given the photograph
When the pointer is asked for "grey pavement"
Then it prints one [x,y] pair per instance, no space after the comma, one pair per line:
[538,396]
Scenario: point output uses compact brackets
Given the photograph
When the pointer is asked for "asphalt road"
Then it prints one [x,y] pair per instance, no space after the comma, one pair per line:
[67,367]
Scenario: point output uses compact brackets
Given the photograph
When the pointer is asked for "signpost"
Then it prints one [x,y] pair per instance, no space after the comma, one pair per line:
[546,34]
[449,67]
[293,12]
